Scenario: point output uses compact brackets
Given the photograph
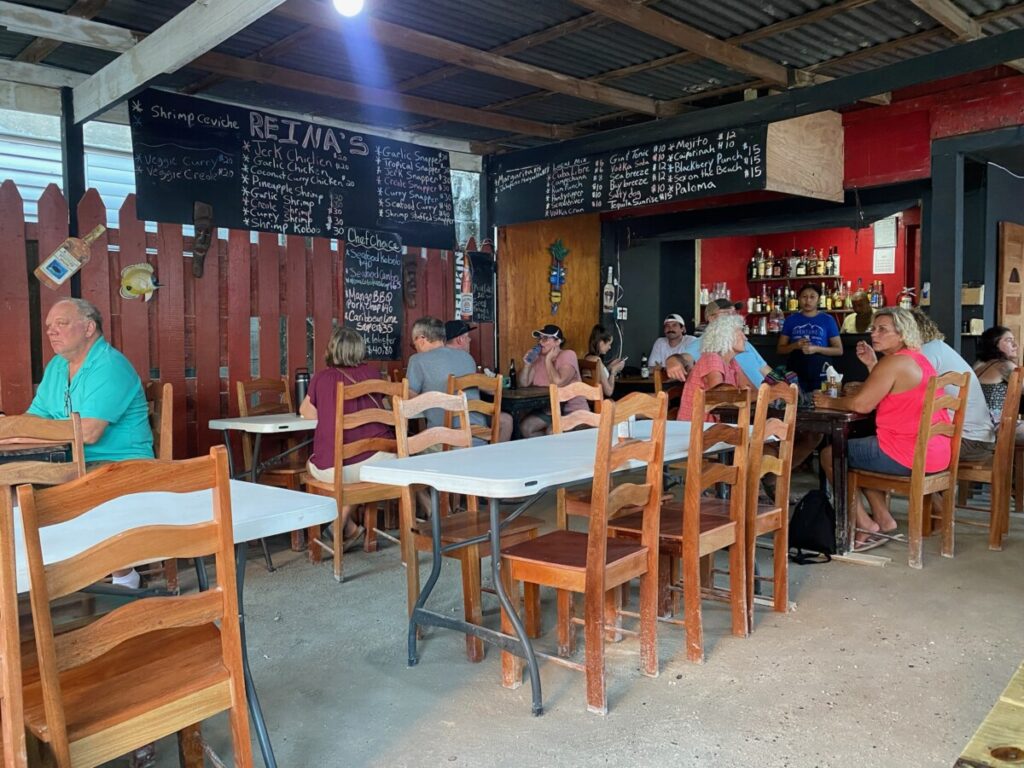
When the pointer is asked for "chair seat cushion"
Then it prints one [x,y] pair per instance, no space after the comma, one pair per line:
[136,677]
[467,525]
[714,515]
[568,550]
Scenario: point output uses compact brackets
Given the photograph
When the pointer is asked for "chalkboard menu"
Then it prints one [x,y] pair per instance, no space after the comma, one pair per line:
[700,165]
[373,291]
[276,174]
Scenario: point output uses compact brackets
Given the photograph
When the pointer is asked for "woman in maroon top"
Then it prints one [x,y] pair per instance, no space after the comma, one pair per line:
[346,352]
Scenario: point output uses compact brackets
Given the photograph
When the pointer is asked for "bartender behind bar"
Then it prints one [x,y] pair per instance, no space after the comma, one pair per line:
[808,339]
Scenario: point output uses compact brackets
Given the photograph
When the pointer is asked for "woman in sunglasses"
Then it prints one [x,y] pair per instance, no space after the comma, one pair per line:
[895,389]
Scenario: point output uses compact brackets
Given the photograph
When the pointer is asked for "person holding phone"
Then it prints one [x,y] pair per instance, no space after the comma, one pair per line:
[548,363]
[599,346]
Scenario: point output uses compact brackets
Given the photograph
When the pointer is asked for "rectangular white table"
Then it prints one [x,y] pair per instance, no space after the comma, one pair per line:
[269,424]
[503,471]
[257,511]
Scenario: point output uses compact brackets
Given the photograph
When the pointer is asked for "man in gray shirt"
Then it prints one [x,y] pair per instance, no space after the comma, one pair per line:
[429,368]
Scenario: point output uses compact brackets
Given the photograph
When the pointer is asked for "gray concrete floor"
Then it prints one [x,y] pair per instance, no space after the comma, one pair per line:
[875,666]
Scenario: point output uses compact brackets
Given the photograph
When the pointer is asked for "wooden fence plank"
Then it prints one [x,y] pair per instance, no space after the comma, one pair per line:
[320,277]
[238,298]
[96,275]
[268,303]
[207,344]
[296,256]
[52,230]
[15,352]
[134,314]
[171,328]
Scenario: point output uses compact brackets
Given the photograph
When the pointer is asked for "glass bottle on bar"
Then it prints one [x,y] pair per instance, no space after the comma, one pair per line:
[801,267]
[752,272]
[822,298]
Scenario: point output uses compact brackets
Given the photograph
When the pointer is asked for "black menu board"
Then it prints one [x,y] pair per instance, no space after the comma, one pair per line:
[481,270]
[705,164]
[373,291]
[273,173]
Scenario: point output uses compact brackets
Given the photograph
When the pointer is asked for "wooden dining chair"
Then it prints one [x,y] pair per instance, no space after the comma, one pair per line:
[994,470]
[588,371]
[568,503]
[673,388]
[772,517]
[700,526]
[155,666]
[455,528]
[160,400]
[46,431]
[920,485]
[593,564]
[352,494]
[490,385]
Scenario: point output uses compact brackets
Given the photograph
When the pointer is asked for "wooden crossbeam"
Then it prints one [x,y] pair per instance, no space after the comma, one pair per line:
[42,47]
[66,29]
[406,39]
[195,30]
[962,26]
[266,53]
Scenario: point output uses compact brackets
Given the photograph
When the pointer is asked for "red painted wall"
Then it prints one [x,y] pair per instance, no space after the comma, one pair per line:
[728,258]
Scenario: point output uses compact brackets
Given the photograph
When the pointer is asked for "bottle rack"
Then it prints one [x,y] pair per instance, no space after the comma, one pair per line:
[795,279]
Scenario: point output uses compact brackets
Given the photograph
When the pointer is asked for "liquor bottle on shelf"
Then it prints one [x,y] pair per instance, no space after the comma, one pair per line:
[752,272]
[608,294]
[822,263]
[775,320]
[762,265]
[776,266]
[832,262]
[881,294]
[822,298]
[801,267]
[839,296]
[705,296]
[792,303]
[849,295]
[645,372]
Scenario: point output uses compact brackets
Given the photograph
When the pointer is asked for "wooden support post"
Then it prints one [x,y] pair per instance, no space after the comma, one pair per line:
[72,147]
[946,252]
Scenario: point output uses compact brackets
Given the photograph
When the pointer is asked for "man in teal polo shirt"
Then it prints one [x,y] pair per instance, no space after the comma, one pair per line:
[90,377]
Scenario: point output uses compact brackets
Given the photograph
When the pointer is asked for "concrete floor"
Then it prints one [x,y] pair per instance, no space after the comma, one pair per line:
[876,666]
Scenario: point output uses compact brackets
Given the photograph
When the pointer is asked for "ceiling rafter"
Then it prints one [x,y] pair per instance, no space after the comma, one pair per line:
[962,26]
[41,47]
[404,38]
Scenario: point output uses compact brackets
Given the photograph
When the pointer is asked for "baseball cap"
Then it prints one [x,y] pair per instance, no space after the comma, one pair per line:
[455,328]
[674,318]
[549,330]
[718,304]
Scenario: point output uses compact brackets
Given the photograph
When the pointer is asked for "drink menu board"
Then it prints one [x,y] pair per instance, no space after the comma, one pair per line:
[714,163]
[272,173]
[373,291]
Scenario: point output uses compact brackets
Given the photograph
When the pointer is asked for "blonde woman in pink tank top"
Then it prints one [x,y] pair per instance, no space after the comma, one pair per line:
[895,389]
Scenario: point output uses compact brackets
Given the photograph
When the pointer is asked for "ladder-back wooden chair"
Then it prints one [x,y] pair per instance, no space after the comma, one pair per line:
[160,399]
[58,432]
[588,371]
[573,502]
[489,409]
[994,470]
[455,528]
[700,526]
[672,388]
[155,666]
[353,494]
[920,485]
[593,564]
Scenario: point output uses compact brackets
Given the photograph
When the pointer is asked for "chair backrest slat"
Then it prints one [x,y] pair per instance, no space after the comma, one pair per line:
[936,399]
[564,422]
[380,392]
[1006,434]
[33,431]
[483,384]
[160,397]
[762,463]
[411,408]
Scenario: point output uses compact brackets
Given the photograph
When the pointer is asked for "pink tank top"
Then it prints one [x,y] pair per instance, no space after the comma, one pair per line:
[899,416]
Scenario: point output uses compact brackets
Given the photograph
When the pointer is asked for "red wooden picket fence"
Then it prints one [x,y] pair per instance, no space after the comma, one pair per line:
[193,329]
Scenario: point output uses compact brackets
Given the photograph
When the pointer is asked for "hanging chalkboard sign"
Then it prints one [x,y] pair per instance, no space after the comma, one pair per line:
[373,291]
[272,173]
[701,165]
[481,270]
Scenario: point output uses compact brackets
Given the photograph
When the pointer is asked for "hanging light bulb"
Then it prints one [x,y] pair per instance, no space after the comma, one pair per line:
[348,7]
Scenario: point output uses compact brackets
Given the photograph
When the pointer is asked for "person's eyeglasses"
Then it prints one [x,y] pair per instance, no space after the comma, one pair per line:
[880,329]
[67,402]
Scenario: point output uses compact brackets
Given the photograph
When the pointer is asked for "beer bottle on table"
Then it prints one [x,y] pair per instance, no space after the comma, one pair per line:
[512,374]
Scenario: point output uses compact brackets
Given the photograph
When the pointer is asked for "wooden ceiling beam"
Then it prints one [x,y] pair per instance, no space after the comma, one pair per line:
[41,47]
[962,26]
[663,27]
[259,72]
[198,28]
[467,57]
[67,29]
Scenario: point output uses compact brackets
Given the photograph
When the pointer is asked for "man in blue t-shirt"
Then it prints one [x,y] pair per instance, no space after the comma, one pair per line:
[810,338]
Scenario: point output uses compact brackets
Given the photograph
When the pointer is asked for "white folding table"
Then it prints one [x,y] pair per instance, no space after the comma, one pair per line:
[267,424]
[257,511]
[503,471]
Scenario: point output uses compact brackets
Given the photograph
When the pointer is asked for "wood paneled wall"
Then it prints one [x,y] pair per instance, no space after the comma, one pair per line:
[523,288]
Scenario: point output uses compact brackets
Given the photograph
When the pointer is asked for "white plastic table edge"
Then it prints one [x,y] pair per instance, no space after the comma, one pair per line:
[265,424]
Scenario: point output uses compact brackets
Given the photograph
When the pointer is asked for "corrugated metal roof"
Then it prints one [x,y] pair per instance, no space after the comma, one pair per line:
[836,41]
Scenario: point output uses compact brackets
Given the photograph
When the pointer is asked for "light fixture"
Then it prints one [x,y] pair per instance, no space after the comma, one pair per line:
[348,7]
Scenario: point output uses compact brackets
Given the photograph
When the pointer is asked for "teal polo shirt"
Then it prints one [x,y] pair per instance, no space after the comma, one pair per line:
[106,387]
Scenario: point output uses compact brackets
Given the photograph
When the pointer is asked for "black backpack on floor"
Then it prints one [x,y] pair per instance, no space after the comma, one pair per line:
[812,529]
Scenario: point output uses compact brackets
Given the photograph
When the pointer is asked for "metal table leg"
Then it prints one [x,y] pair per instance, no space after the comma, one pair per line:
[255,712]
[253,476]
[845,523]
[435,570]
[499,587]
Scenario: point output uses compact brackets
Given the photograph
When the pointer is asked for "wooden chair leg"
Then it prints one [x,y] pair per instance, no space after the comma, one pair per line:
[561,518]
[566,626]
[738,588]
[469,558]
[190,747]
[1018,479]
[339,549]
[171,574]
[963,492]
[511,665]
[314,552]
[666,570]
[691,607]
[780,573]
[298,541]
[915,513]
[370,525]
[612,617]
[648,624]
[948,517]
[999,514]
[926,520]
[593,635]
[408,547]
[531,597]
[675,577]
